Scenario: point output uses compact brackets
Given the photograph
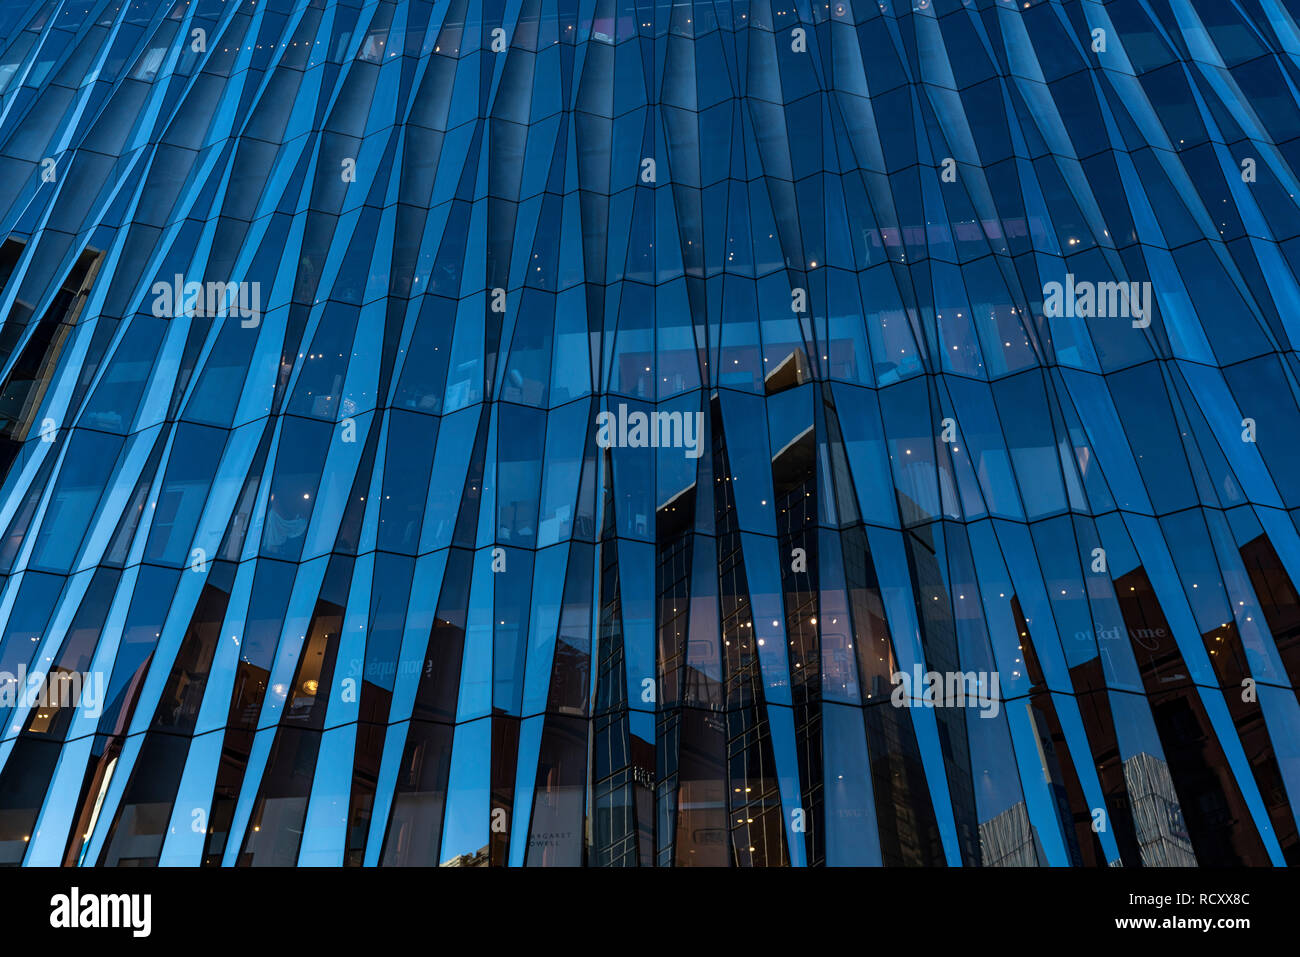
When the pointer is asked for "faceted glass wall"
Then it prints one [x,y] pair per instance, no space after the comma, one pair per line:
[601,432]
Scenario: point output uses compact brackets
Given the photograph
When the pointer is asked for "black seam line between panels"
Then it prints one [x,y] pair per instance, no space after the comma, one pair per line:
[671,709]
[184,567]
[677,397]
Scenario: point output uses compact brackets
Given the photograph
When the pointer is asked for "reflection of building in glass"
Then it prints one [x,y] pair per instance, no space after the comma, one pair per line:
[1008,840]
[366,589]
[478,859]
[1162,833]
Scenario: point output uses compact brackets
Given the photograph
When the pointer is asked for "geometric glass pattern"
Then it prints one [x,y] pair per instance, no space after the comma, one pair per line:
[623,432]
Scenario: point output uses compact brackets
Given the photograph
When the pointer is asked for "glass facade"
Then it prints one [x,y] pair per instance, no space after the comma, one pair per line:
[601,432]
